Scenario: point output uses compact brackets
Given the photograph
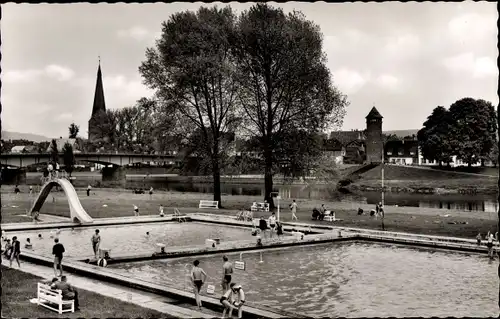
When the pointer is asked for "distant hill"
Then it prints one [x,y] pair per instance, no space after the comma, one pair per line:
[6,135]
[402,133]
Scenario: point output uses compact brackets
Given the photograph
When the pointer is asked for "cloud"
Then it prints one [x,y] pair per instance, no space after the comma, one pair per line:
[472,26]
[57,72]
[467,62]
[387,81]
[402,45]
[21,76]
[137,33]
[350,81]
[128,88]
[64,117]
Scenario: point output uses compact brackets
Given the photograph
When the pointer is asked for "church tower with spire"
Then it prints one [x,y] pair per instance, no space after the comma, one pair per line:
[98,117]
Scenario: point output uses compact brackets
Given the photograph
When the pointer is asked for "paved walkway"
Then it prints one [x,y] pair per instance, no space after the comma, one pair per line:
[144,299]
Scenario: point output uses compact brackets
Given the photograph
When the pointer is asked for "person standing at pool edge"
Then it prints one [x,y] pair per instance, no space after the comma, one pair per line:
[272,224]
[136,210]
[96,242]
[198,277]
[16,251]
[227,271]
[293,207]
[58,251]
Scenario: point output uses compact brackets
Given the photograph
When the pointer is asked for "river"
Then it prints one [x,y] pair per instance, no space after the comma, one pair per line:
[479,202]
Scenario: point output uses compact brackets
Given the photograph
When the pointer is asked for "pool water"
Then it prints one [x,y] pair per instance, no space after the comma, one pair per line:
[349,280]
[130,239]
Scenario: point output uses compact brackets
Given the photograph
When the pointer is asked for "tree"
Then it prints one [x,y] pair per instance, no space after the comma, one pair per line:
[54,152]
[193,74]
[73,130]
[68,158]
[435,139]
[473,129]
[285,83]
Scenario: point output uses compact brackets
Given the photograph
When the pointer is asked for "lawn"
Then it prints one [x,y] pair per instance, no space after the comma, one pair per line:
[119,203]
[19,287]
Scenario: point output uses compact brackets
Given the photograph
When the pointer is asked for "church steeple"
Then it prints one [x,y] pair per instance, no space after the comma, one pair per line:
[99,103]
[98,117]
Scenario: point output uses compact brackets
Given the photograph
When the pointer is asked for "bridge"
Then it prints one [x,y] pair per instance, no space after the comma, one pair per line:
[118,159]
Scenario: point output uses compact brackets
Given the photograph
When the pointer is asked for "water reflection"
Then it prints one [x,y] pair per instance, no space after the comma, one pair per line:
[484,203]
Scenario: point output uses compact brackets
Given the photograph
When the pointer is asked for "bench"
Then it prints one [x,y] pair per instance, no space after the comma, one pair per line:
[52,299]
[263,207]
[330,217]
[209,204]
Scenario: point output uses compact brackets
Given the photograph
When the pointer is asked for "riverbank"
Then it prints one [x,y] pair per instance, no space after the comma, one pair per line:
[119,202]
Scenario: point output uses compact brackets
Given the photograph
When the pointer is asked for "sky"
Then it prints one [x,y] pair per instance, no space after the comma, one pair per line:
[403,58]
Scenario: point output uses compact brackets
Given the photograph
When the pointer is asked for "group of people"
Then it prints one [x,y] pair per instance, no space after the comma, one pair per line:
[12,249]
[269,226]
[233,297]
[321,213]
[490,242]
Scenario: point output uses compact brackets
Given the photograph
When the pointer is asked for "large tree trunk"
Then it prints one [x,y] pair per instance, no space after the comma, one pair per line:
[268,178]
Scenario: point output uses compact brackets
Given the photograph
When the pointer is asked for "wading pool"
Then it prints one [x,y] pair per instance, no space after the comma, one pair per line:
[348,280]
[130,239]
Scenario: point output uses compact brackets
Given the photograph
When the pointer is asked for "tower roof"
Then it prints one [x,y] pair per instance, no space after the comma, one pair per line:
[99,103]
[374,114]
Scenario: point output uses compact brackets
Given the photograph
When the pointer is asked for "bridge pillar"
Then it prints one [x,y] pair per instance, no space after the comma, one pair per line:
[115,173]
[13,176]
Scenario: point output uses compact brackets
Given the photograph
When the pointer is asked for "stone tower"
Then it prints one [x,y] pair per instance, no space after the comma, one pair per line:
[374,143]
[98,110]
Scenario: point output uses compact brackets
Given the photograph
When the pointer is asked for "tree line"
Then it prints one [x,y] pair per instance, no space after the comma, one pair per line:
[260,75]
[467,130]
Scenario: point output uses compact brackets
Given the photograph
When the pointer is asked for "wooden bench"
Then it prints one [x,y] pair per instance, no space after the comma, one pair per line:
[209,204]
[263,207]
[53,300]
[330,217]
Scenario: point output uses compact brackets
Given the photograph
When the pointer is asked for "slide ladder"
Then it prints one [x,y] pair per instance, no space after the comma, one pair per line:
[77,213]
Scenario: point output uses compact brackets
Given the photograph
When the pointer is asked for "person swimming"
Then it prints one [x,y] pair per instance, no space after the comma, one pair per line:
[40,236]
[28,244]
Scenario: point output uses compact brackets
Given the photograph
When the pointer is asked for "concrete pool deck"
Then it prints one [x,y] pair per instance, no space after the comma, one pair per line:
[147,300]
[319,234]
[100,275]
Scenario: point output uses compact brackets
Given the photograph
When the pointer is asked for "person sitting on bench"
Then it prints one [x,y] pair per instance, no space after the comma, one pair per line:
[68,292]
[322,212]
[315,214]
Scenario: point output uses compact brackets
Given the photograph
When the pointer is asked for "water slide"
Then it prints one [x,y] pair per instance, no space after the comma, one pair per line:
[77,213]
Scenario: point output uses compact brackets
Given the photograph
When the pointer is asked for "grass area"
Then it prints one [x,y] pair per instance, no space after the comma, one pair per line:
[19,287]
[119,203]
[475,170]
[399,172]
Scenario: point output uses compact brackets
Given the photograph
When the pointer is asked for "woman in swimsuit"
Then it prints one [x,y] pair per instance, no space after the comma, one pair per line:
[198,277]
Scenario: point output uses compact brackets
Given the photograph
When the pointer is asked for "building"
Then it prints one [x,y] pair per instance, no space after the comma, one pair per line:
[98,110]
[74,142]
[374,141]
[333,149]
[402,151]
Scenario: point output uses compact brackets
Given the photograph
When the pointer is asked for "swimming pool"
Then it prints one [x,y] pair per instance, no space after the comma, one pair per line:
[349,280]
[130,239]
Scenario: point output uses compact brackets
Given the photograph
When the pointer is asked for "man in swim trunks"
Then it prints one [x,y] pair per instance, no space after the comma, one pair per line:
[263,226]
[16,251]
[229,303]
[58,251]
[227,271]
[96,242]
[489,244]
[198,277]
[136,210]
